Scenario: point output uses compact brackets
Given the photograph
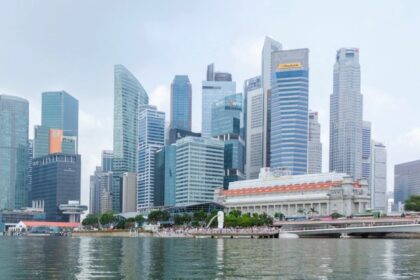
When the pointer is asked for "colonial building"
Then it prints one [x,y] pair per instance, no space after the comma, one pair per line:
[317,194]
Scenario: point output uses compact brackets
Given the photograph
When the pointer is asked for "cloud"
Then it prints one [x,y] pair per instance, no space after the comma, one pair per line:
[160,97]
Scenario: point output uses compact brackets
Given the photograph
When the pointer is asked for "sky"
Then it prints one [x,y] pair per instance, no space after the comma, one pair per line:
[73,46]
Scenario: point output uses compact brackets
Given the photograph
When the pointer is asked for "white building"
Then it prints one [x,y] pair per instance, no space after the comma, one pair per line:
[378,182]
[199,169]
[274,191]
[129,192]
[314,144]
[254,122]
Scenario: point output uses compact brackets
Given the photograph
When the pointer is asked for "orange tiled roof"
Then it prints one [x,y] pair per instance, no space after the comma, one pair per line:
[50,224]
[279,189]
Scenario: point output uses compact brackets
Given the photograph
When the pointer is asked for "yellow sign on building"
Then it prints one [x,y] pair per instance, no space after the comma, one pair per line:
[292,65]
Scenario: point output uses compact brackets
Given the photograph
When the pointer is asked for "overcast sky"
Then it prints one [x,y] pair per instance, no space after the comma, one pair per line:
[73,45]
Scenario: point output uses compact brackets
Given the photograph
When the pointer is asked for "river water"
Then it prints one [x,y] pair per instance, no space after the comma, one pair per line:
[179,258]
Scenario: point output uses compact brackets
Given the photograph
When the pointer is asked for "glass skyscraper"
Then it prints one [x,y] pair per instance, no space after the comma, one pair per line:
[378,182]
[151,139]
[129,94]
[226,124]
[181,97]
[199,169]
[406,182]
[165,175]
[14,124]
[213,91]
[289,110]
[314,144]
[366,151]
[107,159]
[346,115]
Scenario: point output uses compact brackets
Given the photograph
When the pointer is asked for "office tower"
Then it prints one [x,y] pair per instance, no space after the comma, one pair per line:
[199,169]
[269,47]
[289,110]
[175,134]
[129,192]
[181,97]
[346,115]
[366,151]
[55,181]
[165,175]
[378,183]
[58,132]
[14,123]
[406,182]
[29,170]
[100,191]
[213,90]
[107,158]
[151,139]
[314,144]
[254,127]
[129,94]
[226,124]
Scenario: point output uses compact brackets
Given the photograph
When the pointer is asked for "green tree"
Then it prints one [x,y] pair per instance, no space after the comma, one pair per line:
[139,219]
[107,218]
[412,204]
[280,216]
[336,215]
[90,220]
[157,216]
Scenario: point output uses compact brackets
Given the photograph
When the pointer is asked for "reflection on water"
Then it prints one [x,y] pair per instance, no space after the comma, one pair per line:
[155,258]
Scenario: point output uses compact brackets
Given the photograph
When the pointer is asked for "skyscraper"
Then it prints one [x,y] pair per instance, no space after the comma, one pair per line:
[254,127]
[199,169]
[289,110]
[270,46]
[100,191]
[226,124]
[181,97]
[165,174]
[29,170]
[366,151]
[58,132]
[220,86]
[378,183]
[406,182]
[129,94]
[107,159]
[346,115]
[314,144]
[14,123]
[151,139]
[55,181]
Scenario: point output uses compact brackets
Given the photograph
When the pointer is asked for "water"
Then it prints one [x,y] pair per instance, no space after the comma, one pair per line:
[158,258]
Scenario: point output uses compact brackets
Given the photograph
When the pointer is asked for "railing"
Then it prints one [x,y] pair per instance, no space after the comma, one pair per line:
[349,226]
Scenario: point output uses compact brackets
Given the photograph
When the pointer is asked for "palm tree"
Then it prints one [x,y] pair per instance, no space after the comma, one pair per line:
[312,211]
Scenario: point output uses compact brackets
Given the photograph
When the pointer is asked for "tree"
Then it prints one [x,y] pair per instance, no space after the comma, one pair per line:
[312,211]
[336,215]
[90,220]
[158,215]
[139,219]
[280,216]
[107,218]
[413,203]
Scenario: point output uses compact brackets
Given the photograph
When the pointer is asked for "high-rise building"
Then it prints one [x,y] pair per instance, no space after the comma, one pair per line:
[151,139]
[175,134]
[107,158]
[314,144]
[378,183]
[289,110]
[269,47]
[181,98]
[14,124]
[199,169]
[165,175]
[226,124]
[129,94]
[29,170]
[212,91]
[100,191]
[254,127]
[55,181]
[346,115]
[129,192]
[366,151]
[58,132]
[406,182]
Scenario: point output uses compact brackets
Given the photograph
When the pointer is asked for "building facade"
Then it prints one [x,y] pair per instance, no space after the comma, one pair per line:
[314,144]
[269,47]
[14,125]
[254,127]
[226,127]
[165,175]
[318,194]
[107,159]
[129,192]
[100,191]
[129,94]
[406,182]
[199,169]
[378,182]
[55,181]
[346,115]
[151,139]
[213,91]
[289,110]
[181,106]
[367,151]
